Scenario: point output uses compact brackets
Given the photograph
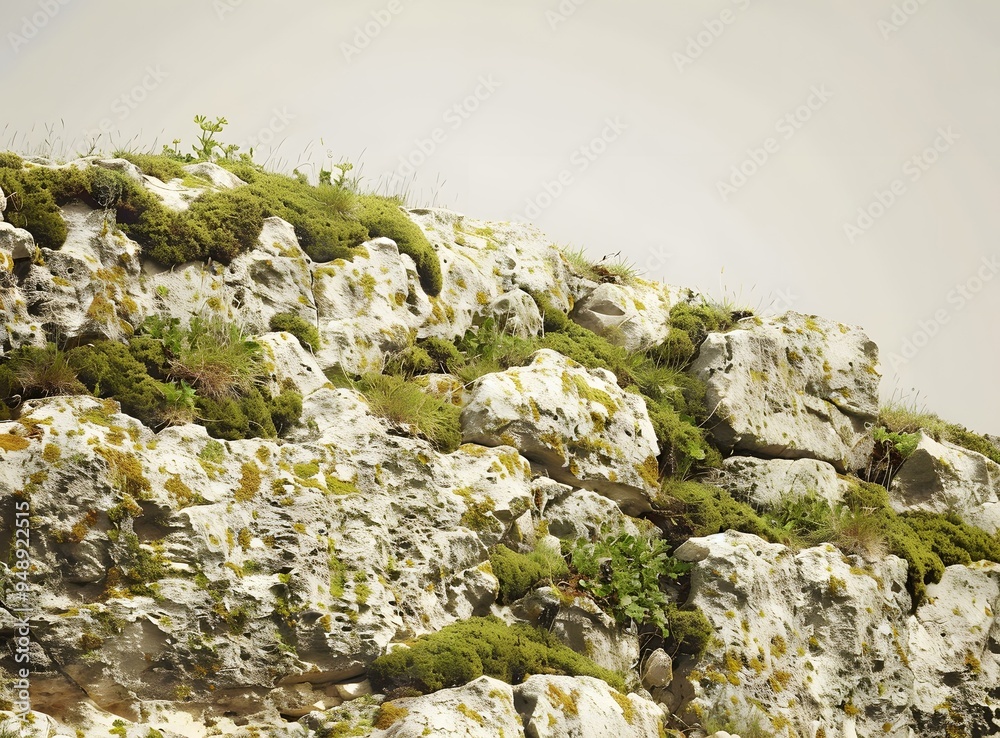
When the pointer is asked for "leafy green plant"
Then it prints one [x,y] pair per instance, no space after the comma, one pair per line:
[207,144]
[624,575]
[466,650]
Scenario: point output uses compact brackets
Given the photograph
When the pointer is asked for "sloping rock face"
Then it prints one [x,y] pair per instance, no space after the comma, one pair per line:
[243,566]
[576,423]
[941,477]
[813,640]
[792,387]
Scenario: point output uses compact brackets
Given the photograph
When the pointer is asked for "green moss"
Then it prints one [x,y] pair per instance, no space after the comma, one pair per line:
[388,715]
[250,482]
[383,217]
[518,573]
[695,509]
[466,650]
[299,327]
[162,167]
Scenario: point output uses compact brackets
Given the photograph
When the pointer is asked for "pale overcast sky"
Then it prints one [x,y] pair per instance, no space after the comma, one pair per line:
[866,132]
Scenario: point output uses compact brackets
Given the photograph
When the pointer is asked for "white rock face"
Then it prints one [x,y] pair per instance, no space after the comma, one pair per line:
[334,546]
[291,363]
[362,307]
[822,640]
[792,387]
[563,707]
[575,422]
[483,708]
[631,315]
[767,482]
[516,313]
[90,287]
[941,477]
[17,328]
[3,203]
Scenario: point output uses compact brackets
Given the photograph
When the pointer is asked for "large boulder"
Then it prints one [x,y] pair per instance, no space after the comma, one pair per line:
[769,482]
[792,387]
[941,477]
[242,567]
[575,423]
[813,639]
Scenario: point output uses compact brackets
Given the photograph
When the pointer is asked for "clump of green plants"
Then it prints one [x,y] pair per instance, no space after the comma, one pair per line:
[624,575]
[38,372]
[610,268]
[464,651]
[401,401]
[162,167]
[689,326]
[518,573]
[302,329]
[686,509]
[901,421]
[206,373]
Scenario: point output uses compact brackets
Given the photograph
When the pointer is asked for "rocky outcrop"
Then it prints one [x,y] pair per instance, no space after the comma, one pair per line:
[792,387]
[813,639]
[576,423]
[633,316]
[941,477]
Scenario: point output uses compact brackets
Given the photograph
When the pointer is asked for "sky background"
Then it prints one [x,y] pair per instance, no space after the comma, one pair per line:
[839,159]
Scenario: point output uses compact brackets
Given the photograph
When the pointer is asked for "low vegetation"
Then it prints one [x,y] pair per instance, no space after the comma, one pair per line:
[464,651]
[403,402]
[518,573]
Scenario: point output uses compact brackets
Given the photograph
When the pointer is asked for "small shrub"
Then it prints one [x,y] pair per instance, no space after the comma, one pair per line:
[303,330]
[403,402]
[624,575]
[518,573]
[466,650]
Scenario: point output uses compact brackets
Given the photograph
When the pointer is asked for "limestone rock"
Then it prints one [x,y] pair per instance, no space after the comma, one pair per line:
[941,477]
[768,482]
[3,203]
[579,513]
[89,288]
[275,277]
[362,307]
[221,178]
[581,625]
[576,423]
[17,328]
[792,387]
[633,315]
[15,243]
[483,708]
[291,364]
[516,313]
[657,671]
[561,707]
